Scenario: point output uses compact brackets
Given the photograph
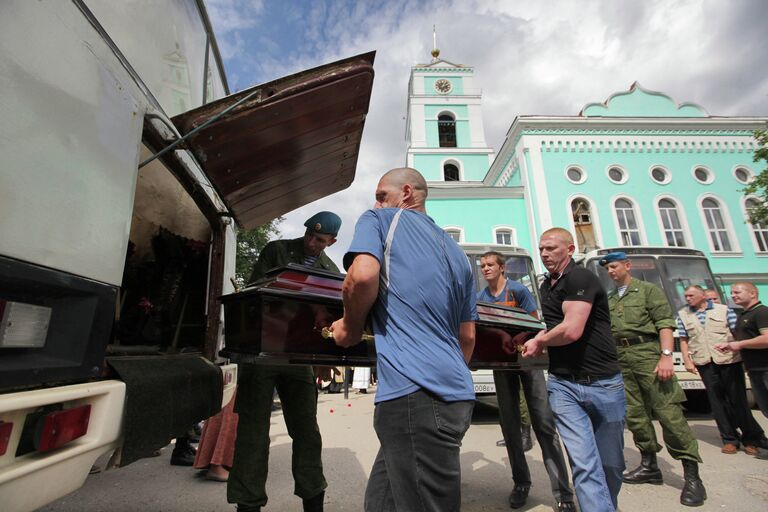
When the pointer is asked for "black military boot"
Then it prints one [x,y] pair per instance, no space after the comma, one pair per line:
[315,503]
[647,472]
[694,493]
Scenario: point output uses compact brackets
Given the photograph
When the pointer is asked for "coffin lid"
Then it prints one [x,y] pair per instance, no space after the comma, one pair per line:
[297,140]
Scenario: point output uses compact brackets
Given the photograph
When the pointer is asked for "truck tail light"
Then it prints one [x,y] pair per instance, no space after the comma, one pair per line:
[23,325]
[6,428]
[60,427]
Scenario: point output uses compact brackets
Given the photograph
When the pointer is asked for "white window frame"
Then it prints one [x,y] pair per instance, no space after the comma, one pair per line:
[593,213]
[746,168]
[456,228]
[753,231]
[735,247]
[638,221]
[584,175]
[665,169]
[512,235]
[710,175]
[623,171]
[686,229]
[457,163]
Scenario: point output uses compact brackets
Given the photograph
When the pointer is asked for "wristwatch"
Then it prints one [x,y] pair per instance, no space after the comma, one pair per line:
[666,352]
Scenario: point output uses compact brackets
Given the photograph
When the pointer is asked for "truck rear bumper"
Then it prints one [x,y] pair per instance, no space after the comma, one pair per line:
[32,480]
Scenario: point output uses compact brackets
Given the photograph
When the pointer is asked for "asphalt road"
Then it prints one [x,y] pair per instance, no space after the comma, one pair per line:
[734,482]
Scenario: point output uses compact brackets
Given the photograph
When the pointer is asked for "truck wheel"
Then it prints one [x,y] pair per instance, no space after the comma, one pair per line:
[697,401]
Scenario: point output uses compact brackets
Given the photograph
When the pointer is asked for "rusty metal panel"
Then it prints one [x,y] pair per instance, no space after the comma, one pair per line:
[296,141]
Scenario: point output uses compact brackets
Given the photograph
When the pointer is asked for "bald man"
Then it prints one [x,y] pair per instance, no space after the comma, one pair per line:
[417,284]
[586,390]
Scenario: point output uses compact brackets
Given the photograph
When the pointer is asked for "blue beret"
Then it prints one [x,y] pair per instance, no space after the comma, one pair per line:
[613,256]
[325,223]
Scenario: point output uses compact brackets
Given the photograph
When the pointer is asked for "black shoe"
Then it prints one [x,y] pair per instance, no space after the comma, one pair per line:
[566,506]
[315,503]
[183,454]
[762,453]
[694,493]
[647,472]
[248,508]
[519,496]
[525,433]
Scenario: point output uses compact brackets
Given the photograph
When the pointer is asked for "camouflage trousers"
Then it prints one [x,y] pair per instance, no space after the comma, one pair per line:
[648,398]
[298,397]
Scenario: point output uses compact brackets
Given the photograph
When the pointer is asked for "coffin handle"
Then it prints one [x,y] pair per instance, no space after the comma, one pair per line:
[327,333]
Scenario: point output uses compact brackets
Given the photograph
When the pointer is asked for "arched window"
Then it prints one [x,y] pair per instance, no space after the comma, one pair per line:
[671,225]
[504,236]
[450,172]
[454,233]
[583,226]
[718,232]
[760,229]
[446,130]
[626,218]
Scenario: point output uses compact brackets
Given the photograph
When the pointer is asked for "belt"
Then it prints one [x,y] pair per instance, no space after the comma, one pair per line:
[581,378]
[633,340]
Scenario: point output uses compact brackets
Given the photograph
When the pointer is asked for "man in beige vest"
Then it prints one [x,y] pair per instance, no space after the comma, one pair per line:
[701,325]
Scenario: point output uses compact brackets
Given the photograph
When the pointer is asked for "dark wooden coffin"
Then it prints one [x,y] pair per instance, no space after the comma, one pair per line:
[281,318]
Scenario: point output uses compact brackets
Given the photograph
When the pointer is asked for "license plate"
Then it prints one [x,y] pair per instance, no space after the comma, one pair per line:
[691,384]
[485,388]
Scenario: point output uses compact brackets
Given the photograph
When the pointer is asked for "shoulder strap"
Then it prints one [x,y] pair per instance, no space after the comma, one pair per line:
[384,274]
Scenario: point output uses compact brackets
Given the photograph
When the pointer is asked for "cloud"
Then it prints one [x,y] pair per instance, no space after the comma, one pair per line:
[547,58]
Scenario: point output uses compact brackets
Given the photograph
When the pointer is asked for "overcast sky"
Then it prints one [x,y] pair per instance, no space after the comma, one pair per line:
[530,57]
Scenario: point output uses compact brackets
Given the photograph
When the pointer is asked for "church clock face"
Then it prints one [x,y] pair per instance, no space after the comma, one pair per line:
[443,86]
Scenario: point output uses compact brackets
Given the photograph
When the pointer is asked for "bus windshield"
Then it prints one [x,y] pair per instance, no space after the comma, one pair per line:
[519,268]
[671,274]
[684,272]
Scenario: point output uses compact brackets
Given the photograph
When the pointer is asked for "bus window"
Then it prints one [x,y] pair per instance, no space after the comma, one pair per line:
[685,272]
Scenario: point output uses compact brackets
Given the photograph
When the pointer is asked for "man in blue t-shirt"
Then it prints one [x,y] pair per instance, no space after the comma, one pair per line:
[417,285]
[511,293]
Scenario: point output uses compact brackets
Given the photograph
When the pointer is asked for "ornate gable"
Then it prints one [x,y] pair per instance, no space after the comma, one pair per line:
[640,102]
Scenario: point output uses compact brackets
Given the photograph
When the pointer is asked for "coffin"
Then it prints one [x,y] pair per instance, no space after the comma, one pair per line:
[281,318]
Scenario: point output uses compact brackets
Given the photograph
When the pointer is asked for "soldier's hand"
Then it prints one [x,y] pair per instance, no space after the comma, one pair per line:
[343,335]
[691,367]
[665,369]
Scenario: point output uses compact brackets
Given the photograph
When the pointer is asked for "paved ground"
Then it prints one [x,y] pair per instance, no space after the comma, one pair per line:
[734,482]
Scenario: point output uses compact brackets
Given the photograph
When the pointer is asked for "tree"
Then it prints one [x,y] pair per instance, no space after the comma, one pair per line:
[759,186]
[250,242]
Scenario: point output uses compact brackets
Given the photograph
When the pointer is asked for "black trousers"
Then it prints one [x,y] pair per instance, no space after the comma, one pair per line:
[543,422]
[727,395]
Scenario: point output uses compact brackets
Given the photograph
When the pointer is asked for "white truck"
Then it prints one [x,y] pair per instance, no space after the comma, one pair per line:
[126,168]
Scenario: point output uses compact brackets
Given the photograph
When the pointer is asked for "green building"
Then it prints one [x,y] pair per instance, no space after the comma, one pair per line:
[637,170]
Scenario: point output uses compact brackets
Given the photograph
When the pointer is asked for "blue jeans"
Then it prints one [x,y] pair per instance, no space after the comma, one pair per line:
[417,468]
[590,419]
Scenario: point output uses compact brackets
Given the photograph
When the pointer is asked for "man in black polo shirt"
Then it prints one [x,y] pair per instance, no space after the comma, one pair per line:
[586,391]
[751,337]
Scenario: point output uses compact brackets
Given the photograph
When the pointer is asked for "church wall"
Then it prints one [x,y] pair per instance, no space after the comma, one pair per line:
[472,167]
[478,217]
[645,193]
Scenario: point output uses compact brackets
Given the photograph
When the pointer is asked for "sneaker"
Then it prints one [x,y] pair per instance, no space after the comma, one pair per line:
[729,448]
[566,506]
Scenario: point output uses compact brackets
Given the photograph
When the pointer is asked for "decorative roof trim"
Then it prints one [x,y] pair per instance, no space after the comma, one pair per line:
[471,190]
[634,87]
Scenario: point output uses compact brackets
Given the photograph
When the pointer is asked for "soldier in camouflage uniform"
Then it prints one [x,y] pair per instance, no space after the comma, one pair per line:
[642,324]
[295,385]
